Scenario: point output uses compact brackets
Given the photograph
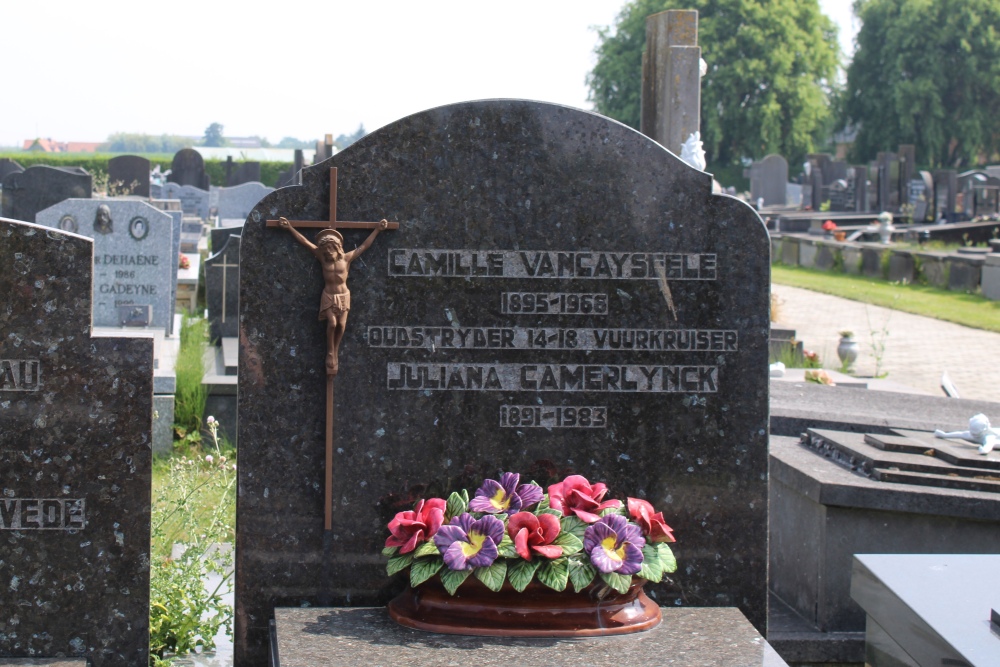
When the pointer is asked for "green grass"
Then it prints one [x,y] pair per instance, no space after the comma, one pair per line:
[191,394]
[188,500]
[971,310]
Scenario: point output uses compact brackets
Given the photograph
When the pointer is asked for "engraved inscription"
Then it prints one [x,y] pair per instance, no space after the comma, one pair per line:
[20,375]
[42,514]
[552,377]
[561,416]
[553,338]
[593,265]
[553,303]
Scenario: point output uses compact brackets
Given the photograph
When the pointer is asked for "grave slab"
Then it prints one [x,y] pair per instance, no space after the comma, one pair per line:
[366,636]
[522,192]
[74,462]
[134,258]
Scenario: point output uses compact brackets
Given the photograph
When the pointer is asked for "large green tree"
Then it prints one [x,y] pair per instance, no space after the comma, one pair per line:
[771,69]
[926,72]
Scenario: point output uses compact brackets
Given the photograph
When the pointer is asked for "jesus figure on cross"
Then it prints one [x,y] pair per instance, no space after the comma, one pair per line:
[336,299]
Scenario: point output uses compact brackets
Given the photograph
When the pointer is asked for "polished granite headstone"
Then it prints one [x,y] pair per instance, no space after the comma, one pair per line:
[74,461]
[135,254]
[366,637]
[245,172]
[129,175]
[8,166]
[236,202]
[641,364]
[222,290]
[194,200]
[27,192]
[188,168]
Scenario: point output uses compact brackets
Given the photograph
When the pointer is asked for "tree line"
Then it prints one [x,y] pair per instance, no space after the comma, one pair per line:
[924,72]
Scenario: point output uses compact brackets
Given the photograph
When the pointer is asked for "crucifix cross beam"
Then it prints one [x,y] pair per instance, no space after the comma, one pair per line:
[333,223]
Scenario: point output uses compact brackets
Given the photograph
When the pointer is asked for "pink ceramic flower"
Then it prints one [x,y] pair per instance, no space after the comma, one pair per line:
[410,528]
[653,525]
[577,496]
[534,534]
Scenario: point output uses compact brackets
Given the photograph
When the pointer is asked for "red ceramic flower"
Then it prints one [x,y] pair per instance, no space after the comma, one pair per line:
[410,528]
[534,534]
[829,226]
[577,496]
[653,526]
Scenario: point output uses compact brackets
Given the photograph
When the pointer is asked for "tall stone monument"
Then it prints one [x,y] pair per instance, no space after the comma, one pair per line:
[561,295]
[671,78]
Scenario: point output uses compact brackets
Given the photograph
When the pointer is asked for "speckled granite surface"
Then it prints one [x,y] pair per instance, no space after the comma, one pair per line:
[720,637]
[75,461]
[494,199]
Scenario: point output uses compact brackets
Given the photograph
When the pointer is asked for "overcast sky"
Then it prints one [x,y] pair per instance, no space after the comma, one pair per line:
[79,71]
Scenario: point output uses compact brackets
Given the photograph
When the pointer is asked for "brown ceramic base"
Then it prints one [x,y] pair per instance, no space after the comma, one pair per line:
[537,612]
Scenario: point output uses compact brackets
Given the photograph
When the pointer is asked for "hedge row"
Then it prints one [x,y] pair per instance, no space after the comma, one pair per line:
[97,163]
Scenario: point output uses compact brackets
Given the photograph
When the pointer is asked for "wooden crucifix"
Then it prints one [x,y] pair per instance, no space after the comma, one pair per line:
[335,301]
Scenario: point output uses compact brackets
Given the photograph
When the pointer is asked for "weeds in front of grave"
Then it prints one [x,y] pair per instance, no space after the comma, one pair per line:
[193,524]
[189,401]
[789,356]
[878,337]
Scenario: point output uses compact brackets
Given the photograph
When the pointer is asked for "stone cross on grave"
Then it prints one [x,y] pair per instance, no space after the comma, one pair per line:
[225,266]
[335,301]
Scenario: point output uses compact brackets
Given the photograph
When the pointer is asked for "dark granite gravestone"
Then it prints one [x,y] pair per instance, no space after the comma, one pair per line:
[128,175]
[219,236]
[222,288]
[74,461]
[768,179]
[653,319]
[244,172]
[28,192]
[188,168]
[8,166]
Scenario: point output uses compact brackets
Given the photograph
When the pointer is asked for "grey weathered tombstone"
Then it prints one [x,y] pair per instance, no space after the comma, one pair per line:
[28,192]
[188,168]
[134,258]
[945,194]
[194,200]
[859,180]
[907,168]
[235,203]
[768,178]
[244,172]
[671,78]
[75,462]
[496,200]
[222,288]
[128,175]
[8,166]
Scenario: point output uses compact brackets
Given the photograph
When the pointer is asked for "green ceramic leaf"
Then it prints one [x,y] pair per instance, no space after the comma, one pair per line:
[543,503]
[493,575]
[667,559]
[423,569]
[574,525]
[619,582]
[621,511]
[452,579]
[398,563]
[569,542]
[506,547]
[390,551]
[465,496]
[554,573]
[581,573]
[456,505]
[549,510]
[426,549]
[520,573]
[651,570]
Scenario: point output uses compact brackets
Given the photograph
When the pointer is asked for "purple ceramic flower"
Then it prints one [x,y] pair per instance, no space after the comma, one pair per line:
[506,496]
[614,545]
[466,542]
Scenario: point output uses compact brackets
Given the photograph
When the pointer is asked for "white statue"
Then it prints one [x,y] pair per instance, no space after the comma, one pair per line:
[693,153]
[979,433]
[884,227]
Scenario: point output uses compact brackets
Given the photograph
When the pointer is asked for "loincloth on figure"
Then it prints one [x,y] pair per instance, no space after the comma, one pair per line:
[334,304]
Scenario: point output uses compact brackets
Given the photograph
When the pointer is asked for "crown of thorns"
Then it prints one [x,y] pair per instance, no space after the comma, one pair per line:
[329,236]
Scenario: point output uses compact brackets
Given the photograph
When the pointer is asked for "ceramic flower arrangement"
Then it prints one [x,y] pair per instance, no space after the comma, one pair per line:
[517,532]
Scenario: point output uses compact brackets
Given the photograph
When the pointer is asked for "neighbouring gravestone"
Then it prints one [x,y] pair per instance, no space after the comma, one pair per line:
[219,235]
[27,192]
[244,172]
[235,203]
[74,462]
[128,175]
[135,261]
[8,166]
[768,178]
[562,295]
[188,168]
[194,200]
[222,289]
[671,78]
[192,229]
